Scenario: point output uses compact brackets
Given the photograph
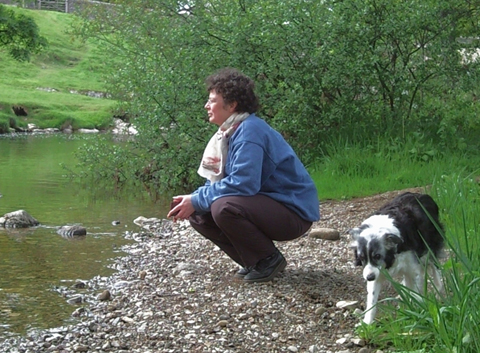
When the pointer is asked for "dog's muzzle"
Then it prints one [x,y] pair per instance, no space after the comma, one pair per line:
[371,273]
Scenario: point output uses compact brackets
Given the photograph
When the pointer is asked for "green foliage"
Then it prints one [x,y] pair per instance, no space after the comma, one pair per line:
[323,69]
[4,123]
[19,34]
[106,154]
[7,122]
[441,322]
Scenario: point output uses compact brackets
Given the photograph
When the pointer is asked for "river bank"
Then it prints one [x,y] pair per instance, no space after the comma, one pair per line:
[175,292]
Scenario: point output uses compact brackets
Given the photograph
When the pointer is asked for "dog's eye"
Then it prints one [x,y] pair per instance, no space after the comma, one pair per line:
[377,257]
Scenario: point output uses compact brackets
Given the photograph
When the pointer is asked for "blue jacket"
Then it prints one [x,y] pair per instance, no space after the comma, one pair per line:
[260,161]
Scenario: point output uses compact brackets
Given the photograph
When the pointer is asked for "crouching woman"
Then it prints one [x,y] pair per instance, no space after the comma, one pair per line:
[257,189]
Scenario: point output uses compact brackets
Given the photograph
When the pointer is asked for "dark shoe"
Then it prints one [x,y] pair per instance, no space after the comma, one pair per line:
[242,272]
[265,270]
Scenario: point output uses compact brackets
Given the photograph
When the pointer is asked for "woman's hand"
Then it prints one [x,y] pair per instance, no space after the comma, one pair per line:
[183,207]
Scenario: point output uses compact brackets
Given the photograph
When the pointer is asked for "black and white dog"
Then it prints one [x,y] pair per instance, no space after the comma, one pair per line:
[401,237]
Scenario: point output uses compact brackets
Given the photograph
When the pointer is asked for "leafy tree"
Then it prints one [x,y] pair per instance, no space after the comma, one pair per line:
[392,58]
[323,69]
[19,34]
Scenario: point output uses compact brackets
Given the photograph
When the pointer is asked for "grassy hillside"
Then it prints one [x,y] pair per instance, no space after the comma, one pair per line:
[53,86]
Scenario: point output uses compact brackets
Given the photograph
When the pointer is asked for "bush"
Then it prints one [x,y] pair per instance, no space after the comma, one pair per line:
[4,123]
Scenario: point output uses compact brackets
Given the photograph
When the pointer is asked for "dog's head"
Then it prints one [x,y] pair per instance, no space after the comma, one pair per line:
[375,245]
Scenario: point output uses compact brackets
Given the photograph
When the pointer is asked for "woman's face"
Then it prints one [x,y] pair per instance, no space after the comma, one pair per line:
[217,110]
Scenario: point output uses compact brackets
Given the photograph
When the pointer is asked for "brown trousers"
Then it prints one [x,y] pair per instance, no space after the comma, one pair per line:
[244,227]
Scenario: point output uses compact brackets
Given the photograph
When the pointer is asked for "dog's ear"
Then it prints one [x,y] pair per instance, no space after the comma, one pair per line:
[392,241]
[354,247]
[354,233]
[358,261]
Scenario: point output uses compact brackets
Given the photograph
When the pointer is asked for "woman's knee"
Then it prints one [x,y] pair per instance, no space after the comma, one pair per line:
[226,208]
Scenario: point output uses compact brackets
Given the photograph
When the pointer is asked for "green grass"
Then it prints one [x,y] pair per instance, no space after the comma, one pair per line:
[67,65]
[348,170]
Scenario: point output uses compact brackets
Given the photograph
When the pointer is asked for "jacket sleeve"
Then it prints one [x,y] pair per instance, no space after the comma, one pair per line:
[244,166]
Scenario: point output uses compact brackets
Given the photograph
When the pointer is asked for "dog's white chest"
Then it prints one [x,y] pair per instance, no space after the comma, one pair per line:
[406,264]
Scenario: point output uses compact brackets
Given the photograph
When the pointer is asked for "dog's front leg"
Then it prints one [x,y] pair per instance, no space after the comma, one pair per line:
[437,278]
[373,290]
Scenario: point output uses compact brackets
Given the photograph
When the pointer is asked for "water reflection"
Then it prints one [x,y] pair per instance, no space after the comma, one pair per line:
[35,262]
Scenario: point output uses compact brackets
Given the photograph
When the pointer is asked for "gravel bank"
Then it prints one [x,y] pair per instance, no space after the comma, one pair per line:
[175,292]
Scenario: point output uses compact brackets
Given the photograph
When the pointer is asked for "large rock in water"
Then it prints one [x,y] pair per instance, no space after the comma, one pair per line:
[18,219]
[72,231]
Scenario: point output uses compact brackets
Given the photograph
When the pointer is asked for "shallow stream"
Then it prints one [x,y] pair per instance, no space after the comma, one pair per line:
[35,262]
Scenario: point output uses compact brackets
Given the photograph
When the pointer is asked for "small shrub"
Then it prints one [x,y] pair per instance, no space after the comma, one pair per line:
[4,126]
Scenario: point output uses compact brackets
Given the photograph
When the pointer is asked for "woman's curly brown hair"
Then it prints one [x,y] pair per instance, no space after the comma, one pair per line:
[234,86]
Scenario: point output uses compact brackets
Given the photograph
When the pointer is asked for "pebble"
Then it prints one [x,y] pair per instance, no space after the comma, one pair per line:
[77,299]
[80,284]
[347,304]
[320,310]
[358,342]
[222,323]
[80,348]
[105,295]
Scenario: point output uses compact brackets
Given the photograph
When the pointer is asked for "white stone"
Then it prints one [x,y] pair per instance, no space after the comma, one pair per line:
[347,304]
